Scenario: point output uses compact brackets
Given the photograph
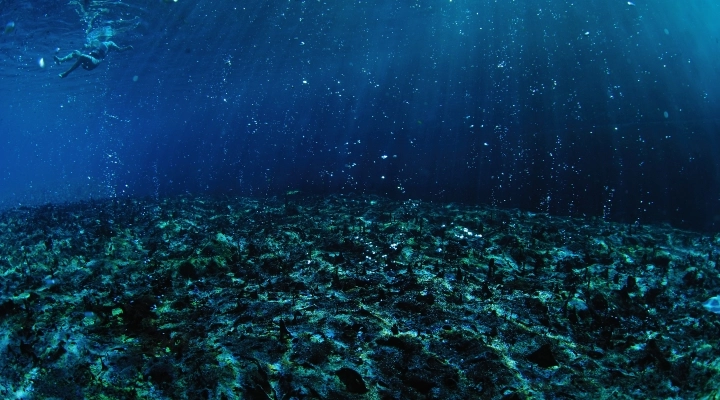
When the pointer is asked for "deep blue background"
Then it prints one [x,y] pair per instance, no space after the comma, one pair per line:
[547,106]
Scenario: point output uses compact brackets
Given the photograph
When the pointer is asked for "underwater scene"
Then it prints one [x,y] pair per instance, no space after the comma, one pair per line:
[316,199]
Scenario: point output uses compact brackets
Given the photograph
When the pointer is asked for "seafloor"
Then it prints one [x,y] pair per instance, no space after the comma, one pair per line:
[350,298]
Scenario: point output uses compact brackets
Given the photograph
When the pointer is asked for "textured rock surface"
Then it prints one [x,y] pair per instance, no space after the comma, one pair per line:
[349,297]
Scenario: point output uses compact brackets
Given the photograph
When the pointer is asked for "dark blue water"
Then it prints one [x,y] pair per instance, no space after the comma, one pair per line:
[605,108]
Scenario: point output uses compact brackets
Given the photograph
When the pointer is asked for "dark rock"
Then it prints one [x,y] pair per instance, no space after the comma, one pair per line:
[353,381]
[543,357]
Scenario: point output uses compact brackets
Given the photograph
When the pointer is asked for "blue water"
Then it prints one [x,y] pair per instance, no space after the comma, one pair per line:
[606,108]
